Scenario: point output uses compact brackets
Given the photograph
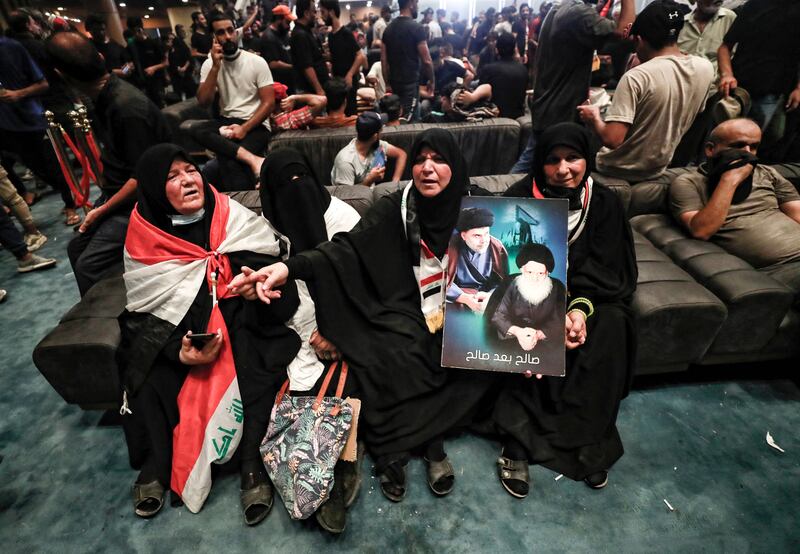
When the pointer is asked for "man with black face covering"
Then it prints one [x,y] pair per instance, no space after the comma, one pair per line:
[747,208]
[274,46]
[243,80]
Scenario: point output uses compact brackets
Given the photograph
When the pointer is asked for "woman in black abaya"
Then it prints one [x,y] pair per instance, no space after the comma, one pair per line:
[568,424]
[379,292]
[155,356]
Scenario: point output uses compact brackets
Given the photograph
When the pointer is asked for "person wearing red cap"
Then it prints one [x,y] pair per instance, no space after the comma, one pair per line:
[274,46]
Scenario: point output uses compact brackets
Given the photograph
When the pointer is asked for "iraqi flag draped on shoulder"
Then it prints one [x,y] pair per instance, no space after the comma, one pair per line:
[162,277]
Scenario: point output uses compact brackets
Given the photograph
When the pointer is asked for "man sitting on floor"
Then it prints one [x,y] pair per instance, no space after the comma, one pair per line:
[239,137]
[746,208]
[128,123]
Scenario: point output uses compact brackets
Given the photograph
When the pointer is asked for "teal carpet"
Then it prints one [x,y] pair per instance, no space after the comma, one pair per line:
[698,443]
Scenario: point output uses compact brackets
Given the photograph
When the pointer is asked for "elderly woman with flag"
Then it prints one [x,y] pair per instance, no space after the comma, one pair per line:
[191,401]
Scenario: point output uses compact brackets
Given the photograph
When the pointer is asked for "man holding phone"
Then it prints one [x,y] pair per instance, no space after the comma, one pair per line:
[363,160]
[239,136]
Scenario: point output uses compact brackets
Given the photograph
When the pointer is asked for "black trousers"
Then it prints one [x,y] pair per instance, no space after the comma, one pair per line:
[36,152]
[97,253]
[184,84]
[148,431]
[235,175]
[10,237]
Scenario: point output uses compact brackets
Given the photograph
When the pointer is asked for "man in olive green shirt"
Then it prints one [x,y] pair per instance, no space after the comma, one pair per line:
[704,29]
[764,227]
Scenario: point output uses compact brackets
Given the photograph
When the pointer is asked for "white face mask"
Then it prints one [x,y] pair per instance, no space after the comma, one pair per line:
[187,219]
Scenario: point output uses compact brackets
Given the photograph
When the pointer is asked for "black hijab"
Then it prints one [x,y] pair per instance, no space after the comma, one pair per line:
[438,215]
[571,135]
[295,207]
[151,194]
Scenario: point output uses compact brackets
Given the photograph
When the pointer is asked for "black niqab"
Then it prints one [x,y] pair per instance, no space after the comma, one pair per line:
[151,194]
[438,215]
[572,136]
[295,206]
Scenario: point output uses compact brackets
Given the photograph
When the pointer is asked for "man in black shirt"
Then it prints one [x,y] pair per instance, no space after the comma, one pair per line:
[274,47]
[346,56]
[568,37]
[201,40]
[180,65]
[509,79]
[767,60]
[403,51]
[151,62]
[309,65]
[128,123]
[117,59]
[447,70]
[520,30]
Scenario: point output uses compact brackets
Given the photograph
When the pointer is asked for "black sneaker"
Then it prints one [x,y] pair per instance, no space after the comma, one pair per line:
[597,480]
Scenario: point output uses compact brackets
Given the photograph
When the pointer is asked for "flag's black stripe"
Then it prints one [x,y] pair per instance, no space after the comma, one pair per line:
[431,292]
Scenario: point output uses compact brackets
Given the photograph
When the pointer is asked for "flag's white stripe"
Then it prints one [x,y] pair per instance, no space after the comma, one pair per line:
[198,484]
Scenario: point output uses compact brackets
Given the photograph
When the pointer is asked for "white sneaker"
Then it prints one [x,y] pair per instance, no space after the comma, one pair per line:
[35,241]
[3,295]
[35,262]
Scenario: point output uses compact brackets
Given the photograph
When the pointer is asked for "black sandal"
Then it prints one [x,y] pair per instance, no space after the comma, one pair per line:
[256,497]
[514,476]
[393,481]
[441,477]
[148,498]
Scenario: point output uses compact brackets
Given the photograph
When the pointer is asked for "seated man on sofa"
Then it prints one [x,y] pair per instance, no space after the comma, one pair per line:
[244,82]
[746,208]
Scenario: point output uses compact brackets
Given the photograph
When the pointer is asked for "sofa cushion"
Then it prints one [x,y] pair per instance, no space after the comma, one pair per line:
[756,302]
[677,319]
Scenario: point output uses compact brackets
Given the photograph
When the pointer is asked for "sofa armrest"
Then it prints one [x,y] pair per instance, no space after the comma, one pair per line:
[78,358]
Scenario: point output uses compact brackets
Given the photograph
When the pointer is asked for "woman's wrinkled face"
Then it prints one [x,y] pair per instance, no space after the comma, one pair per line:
[564,167]
[185,187]
[431,173]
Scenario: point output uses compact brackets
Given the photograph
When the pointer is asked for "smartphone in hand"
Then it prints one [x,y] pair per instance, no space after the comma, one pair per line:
[199,340]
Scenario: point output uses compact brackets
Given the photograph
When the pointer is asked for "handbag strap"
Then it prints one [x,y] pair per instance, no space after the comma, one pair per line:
[283,391]
[323,388]
[339,388]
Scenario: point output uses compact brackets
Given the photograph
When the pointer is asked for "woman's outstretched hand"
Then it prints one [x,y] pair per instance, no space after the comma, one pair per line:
[261,282]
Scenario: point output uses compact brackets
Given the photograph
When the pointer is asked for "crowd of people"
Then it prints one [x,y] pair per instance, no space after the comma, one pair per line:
[279,295]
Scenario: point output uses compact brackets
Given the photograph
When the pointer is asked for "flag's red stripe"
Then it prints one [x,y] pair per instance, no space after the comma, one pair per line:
[431,279]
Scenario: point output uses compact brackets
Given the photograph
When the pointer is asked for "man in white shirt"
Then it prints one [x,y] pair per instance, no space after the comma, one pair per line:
[655,103]
[239,136]
[434,31]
